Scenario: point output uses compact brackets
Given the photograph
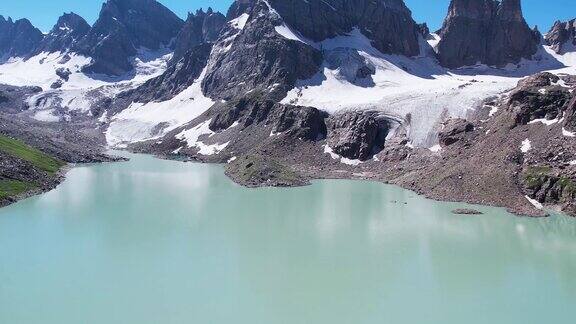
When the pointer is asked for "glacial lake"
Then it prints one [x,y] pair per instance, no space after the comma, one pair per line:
[154,241]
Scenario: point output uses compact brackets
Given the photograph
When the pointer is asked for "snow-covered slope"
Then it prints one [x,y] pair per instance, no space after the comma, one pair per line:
[143,121]
[417,90]
[79,92]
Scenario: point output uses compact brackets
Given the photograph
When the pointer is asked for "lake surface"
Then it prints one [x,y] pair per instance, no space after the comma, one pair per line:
[153,241]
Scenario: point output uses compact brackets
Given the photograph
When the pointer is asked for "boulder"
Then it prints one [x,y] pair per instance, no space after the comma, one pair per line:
[357,134]
[453,131]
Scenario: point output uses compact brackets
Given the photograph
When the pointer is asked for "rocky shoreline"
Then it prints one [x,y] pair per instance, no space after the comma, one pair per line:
[35,159]
[297,144]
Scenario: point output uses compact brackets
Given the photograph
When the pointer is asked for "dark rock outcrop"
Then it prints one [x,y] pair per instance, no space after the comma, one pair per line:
[485,31]
[257,171]
[538,97]
[13,99]
[357,135]
[240,7]
[65,35]
[297,122]
[351,66]
[124,27]
[570,115]
[547,187]
[176,78]
[562,36]
[387,23]
[18,38]
[258,59]
[201,27]
[453,131]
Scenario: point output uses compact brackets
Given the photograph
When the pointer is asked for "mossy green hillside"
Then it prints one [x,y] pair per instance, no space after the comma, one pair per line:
[27,153]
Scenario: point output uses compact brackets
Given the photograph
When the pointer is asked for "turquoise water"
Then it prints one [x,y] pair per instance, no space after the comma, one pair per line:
[153,241]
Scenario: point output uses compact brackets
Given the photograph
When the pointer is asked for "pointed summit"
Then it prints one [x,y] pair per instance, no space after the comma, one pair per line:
[67,32]
[18,38]
[123,27]
[562,36]
[485,31]
[388,23]
[201,27]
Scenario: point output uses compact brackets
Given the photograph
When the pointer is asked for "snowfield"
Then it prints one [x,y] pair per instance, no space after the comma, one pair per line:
[76,94]
[192,136]
[141,121]
[416,90]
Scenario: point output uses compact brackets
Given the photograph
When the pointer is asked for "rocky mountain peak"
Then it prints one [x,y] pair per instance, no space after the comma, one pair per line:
[199,28]
[18,38]
[562,36]
[388,23]
[67,32]
[510,10]
[149,23]
[124,27]
[485,31]
[239,7]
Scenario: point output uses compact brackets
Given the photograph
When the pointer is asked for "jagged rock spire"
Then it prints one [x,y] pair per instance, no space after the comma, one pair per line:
[67,32]
[562,36]
[18,38]
[485,31]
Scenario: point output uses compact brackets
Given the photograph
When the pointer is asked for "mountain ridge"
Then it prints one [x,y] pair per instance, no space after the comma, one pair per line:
[350,89]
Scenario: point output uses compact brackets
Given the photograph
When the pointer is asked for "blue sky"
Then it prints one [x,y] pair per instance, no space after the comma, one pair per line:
[44,13]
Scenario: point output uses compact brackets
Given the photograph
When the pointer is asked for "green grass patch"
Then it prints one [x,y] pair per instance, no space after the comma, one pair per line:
[11,188]
[25,152]
[568,185]
[536,176]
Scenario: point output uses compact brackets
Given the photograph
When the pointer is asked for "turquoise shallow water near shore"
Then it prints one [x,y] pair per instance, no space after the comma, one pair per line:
[154,241]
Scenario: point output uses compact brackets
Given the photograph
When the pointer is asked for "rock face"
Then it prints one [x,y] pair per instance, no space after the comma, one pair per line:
[562,36]
[538,97]
[18,38]
[66,34]
[485,31]
[350,65]
[13,99]
[201,27]
[570,123]
[257,171]
[124,27]
[297,122]
[357,135]
[254,57]
[176,78]
[546,186]
[453,131]
[240,7]
[388,23]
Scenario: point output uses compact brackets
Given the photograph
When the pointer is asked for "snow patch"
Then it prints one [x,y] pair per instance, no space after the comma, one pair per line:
[493,111]
[535,203]
[545,121]
[526,146]
[240,22]
[145,121]
[328,150]
[46,116]
[191,137]
[436,148]
[567,133]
